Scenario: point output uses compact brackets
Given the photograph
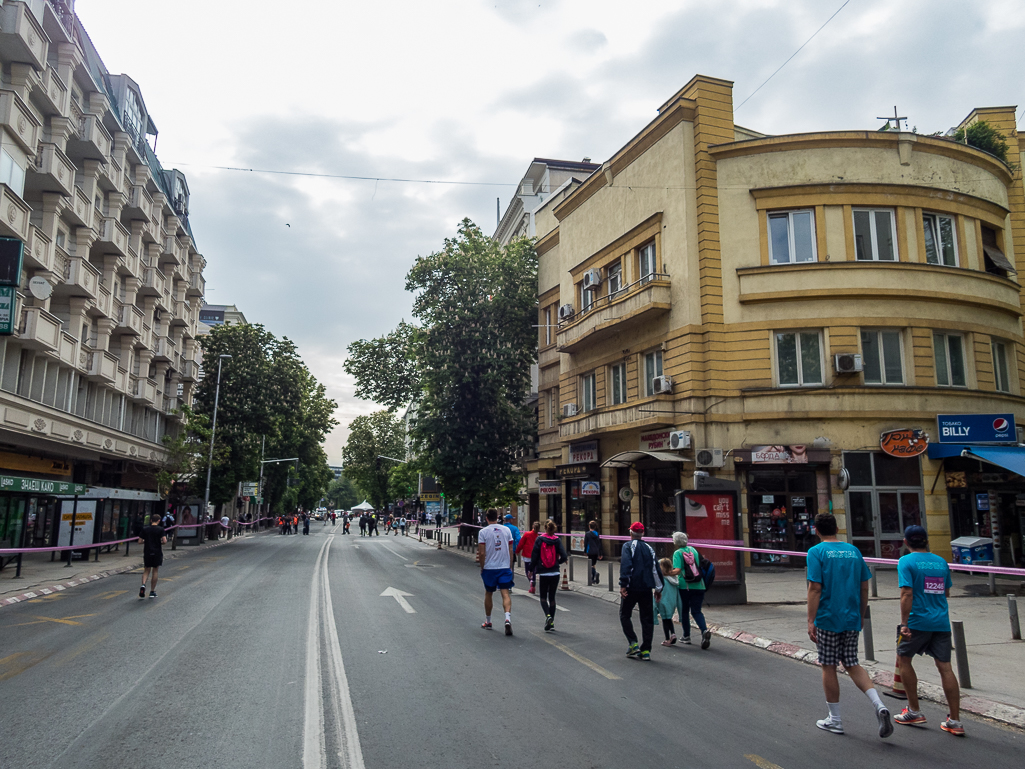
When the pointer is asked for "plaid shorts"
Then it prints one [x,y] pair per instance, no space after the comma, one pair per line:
[838,648]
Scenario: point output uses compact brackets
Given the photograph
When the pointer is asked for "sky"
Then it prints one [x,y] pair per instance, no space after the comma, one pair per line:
[460,95]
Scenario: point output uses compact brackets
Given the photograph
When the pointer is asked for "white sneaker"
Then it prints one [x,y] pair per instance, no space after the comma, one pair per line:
[829,725]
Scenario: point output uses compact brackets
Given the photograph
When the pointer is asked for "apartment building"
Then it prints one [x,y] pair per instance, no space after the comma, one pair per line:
[104,347]
[803,322]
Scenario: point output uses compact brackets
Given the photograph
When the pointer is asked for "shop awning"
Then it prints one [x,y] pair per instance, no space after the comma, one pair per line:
[642,458]
[1009,457]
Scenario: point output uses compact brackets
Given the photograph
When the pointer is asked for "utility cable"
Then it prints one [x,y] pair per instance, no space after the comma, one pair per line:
[347,176]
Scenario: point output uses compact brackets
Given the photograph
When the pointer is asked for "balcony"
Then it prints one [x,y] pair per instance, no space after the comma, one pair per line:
[140,203]
[90,140]
[80,212]
[101,366]
[197,284]
[68,349]
[164,349]
[188,370]
[39,254]
[121,381]
[80,278]
[20,122]
[628,309]
[170,404]
[153,282]
[548,356]
[129,320]
[40,330]
[144,390]
[51,171]
[616,418]
[104,302]
[112,238]
[52,93]
[21,36]
[182,311]
[14,214]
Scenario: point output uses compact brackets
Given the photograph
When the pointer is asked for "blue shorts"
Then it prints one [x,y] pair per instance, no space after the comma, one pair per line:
[497,579]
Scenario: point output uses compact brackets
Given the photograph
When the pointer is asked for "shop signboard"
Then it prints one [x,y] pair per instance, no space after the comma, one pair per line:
[7,304]
[908,442]
[249,488]
[549,487]
[84,516]
[37,486]
[577,472]
[582,453]
[590,489]
[430,496]
[779,455]
[712,516]
[657,441]
[976,428]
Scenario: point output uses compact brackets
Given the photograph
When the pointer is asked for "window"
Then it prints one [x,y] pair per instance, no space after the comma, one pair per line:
[792,237]
[62,238]
[652,369]
[547,321]
[12,174]
[885,496]
[940,243]
[799,358]
[1003,383]
[588,396]
[995,261]
[646,262]
[617,374]
[950,361]
[881,353]
[586,298]
[615,273]
[874,235]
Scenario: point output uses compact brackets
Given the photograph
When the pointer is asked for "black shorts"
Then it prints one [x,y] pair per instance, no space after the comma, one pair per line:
[936,643]
[837,648]
[152,560]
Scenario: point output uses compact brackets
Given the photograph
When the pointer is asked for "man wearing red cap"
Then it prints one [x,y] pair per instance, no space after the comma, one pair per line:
[639,576]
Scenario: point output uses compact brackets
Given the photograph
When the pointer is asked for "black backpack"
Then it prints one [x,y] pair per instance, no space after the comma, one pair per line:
[707,569]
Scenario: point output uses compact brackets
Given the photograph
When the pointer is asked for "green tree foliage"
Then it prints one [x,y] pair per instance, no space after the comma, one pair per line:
[183,471]
[470,358]
[985,137]
[342,494]
[402,481]
[266,393]
[371,436]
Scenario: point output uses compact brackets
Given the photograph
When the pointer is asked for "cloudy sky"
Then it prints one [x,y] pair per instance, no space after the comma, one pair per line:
[469,91]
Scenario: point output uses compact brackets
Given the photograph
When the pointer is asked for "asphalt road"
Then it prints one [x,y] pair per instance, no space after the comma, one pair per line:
[280,651]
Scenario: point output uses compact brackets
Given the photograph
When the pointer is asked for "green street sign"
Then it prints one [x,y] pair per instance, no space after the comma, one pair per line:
[30,485]
[8,301]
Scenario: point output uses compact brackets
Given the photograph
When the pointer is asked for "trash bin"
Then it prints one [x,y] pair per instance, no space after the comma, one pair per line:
[972,549]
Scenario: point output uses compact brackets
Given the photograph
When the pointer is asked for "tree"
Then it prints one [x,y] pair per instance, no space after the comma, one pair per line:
[466,366]
[342,494]
[985,137]
[183,470]
[403,480]
[371,436]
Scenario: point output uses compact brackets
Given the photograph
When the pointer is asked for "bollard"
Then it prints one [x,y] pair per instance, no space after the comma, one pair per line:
[1012,610]
[97,558]
[610,576]
[589,580]
[992,583]
[961,653]
[875,585]
[570,559]
[866,634]
[17,573]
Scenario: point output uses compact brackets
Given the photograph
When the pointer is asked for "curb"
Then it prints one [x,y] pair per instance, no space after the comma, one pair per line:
[41,591]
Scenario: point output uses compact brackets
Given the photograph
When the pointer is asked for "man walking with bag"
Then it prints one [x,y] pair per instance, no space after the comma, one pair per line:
[640,579]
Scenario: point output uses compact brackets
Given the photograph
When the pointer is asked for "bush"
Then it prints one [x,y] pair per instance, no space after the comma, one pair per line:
[985,137]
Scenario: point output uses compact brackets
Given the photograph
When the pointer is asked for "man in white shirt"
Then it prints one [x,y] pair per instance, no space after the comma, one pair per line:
[495,556]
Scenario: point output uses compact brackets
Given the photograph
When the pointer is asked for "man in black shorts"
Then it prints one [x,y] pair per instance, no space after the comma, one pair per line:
[152,555]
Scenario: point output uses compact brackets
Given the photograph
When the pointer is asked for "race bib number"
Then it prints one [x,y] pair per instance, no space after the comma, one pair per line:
[935,586]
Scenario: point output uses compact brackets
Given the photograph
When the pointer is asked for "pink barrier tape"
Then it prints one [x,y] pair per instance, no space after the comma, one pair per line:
[16,550]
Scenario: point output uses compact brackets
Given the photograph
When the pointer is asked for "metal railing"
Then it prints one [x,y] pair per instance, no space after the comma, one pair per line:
[622,293]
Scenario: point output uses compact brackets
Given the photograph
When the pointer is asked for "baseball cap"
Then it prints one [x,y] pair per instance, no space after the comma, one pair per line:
[638,526]
[915,535]
[508,516]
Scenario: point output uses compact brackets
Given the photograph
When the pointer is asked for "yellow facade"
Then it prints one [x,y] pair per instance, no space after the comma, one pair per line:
[771,255]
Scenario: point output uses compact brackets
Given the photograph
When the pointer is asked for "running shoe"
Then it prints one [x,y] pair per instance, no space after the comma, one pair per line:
[142,592]
[706,639]
[549,622]
[486,625]
[152,594]
[885,724]
[633,651]
[910,717]
[829,725]
[952,726]
[508,627]
[644,656]
[531,588]
[686,640]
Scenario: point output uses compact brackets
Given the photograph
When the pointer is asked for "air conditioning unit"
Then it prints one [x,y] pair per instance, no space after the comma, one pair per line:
[847,363]
[592,278]
[566,312]
[679,440]
[569,410]
[661,384]
[708,458]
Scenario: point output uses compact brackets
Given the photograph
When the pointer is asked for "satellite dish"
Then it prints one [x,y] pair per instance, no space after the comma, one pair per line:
[40,288]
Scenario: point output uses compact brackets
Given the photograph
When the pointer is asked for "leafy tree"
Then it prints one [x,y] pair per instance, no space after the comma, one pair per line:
[402,481]
[466,367]
[342,493]
[183,471]
[371,436]
[985,137]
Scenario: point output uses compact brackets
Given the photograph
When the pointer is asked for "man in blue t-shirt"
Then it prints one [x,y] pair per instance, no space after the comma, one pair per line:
[924,580]
[508,521]
[837,598]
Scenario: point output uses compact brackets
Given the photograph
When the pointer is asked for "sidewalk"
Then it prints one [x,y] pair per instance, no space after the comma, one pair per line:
[40,576]
[776,619]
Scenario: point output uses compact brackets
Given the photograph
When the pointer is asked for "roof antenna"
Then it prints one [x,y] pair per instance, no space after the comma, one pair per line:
[896,119]
[498,213]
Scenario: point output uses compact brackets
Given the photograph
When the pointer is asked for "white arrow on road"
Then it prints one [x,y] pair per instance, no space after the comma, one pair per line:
[399,596]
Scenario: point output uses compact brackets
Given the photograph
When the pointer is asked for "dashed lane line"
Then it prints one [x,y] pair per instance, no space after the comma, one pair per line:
[761,763]
[578,657]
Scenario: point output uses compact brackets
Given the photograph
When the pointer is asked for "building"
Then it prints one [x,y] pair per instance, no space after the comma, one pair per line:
[336,471]
[104,347]
[219,314]
[732,324]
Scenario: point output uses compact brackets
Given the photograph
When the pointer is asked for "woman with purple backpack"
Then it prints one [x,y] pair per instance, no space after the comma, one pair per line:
[548,554]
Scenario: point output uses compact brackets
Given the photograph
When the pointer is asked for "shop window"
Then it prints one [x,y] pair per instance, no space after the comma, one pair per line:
[799,358]
[792,237]
[652,369]
[950,360]
[617,375]
[588,392]
[885,497]
[615,277]
[881,353]
[940,240]
[782,504]
[1000,377]
[874,235]
[646,262]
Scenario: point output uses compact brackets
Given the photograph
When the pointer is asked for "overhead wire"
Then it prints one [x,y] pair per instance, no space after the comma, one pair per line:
[347,176]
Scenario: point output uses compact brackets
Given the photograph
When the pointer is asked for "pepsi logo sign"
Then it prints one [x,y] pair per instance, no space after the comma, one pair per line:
[1000,425]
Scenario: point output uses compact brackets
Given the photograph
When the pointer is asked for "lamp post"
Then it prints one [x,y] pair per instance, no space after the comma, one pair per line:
[213,430]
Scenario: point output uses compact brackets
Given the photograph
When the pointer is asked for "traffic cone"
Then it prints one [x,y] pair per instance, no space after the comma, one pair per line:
[897,691]
[565,580]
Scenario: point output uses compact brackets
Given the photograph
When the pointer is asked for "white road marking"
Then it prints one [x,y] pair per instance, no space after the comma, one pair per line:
[314,749]
[399,596]
[518,591]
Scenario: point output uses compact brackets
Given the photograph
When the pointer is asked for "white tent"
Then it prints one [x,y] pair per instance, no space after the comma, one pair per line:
[364,505]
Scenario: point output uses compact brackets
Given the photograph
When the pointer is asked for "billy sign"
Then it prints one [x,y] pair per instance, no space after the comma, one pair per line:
[976,428]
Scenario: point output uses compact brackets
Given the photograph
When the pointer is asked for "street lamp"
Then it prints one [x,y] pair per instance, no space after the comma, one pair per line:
[213,430]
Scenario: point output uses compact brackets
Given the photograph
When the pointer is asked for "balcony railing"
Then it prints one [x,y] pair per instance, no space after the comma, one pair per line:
[630,306]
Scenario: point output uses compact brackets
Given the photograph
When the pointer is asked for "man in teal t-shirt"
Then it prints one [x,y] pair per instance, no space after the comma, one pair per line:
[924,580]
[837,599]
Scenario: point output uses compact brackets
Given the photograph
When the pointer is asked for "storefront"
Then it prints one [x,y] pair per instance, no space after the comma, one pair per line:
[658,484]
[29,510]
[884,497]
[581,479]
[118,513]
[786,487]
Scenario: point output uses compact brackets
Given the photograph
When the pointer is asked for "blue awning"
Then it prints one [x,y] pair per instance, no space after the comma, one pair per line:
[1009,457]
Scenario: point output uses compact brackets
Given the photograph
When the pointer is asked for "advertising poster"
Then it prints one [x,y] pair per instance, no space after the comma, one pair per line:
[711,516]
[85,517]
